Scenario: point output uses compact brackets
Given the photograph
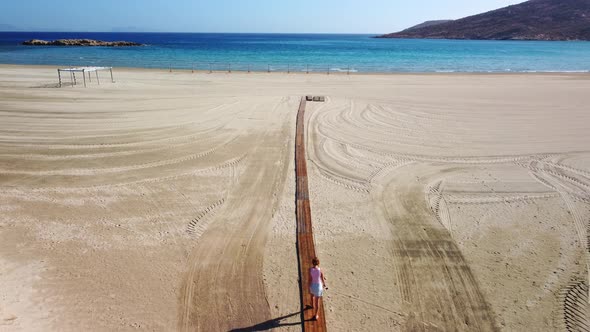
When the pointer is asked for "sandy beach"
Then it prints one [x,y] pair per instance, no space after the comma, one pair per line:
[165,201]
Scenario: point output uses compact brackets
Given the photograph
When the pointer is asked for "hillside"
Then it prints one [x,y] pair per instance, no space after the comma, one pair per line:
[531,20]
[428,24]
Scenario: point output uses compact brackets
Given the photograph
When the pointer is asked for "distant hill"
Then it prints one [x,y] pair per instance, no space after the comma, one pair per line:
[427,24]
[128,29]
[531,20]
[8,27]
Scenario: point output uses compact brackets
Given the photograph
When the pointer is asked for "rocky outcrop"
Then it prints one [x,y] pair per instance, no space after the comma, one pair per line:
[531,20]
[79,42]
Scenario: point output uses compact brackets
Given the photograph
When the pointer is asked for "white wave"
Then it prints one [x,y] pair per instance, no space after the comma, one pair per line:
[555,71]
[345,70]
[513,71]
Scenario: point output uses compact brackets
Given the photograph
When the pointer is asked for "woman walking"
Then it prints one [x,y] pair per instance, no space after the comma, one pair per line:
[317,282]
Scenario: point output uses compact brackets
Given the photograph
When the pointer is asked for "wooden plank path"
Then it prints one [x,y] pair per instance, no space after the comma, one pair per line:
[305,242]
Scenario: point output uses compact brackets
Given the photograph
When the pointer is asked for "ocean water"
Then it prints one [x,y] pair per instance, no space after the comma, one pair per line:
[299,52]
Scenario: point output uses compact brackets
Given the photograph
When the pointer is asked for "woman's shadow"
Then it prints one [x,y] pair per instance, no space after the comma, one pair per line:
[271,324]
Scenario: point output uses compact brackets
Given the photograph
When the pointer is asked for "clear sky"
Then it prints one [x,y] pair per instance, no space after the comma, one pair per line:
[281,16]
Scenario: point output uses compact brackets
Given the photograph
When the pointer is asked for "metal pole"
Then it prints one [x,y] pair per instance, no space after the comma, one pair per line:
[89,77]
[59,77]
[193,68]
[97,80]
[75,81]
[288,69]
[112,79]
[229,68]
[84,76]
[307,71]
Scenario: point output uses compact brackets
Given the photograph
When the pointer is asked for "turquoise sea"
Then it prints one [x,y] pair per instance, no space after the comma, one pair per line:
[299,52]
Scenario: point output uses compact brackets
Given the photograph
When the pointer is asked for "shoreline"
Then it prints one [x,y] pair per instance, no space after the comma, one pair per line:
[325,73]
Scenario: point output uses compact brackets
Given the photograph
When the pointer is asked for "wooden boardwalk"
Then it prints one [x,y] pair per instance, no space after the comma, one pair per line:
[305,242]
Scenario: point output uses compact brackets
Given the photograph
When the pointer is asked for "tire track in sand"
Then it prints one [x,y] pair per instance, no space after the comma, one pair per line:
[437,287]
[576,310]
[223,288]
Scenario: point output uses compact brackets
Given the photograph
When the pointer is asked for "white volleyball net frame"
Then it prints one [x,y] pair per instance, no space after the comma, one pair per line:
[86,73]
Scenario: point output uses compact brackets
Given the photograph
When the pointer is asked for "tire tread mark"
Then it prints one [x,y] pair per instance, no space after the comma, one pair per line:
[196,227]
[228,164]
[576,309]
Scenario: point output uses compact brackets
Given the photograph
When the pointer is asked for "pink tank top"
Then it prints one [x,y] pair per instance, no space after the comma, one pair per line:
[316,275]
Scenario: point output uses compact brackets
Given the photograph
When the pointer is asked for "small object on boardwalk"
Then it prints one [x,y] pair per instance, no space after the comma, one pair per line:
[309,98]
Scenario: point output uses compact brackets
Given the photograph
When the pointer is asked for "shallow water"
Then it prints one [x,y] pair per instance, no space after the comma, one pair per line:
[300,52]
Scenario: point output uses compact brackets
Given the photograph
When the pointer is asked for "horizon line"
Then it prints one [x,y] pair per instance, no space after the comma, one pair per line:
[187,32]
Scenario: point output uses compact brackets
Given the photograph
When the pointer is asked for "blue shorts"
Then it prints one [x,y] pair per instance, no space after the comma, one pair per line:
[317,290]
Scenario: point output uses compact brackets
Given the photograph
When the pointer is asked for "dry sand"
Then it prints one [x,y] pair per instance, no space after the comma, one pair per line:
[165,201]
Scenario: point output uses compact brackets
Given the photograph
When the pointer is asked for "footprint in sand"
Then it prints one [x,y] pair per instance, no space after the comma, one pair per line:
[9,319]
